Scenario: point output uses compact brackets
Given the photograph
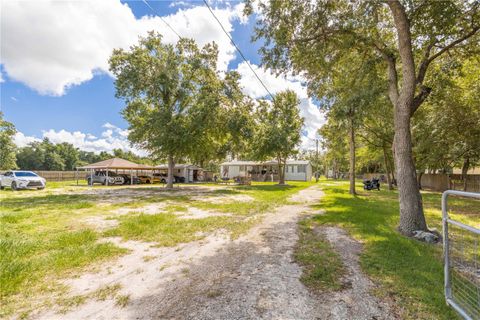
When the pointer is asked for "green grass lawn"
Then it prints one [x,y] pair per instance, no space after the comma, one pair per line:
[409,271]
[44,236]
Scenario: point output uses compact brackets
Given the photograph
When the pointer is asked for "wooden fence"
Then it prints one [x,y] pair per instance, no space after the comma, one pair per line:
[441,182]
[70,175]
[58,175]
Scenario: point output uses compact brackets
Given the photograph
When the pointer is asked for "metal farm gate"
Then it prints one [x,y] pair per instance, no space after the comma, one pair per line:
[461,245]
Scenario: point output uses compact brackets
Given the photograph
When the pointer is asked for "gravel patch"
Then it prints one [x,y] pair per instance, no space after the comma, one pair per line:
[195,213]
[145,270]
[100,223]
[224,198]
[148,209]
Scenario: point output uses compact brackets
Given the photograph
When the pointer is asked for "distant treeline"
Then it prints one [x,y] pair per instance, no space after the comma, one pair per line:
[46,155]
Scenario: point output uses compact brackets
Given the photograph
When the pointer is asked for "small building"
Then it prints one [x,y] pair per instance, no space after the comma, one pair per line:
[189,172]
[295,170]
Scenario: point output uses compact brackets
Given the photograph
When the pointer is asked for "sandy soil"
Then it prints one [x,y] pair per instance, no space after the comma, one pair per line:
[119,192]
[148,209]
[252,277]
[195,213]
[224,198]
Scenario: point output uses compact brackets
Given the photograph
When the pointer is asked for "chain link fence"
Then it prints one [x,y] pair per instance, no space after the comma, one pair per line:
[462,261]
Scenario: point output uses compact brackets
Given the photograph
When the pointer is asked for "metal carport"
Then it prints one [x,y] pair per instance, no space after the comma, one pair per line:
[115,164]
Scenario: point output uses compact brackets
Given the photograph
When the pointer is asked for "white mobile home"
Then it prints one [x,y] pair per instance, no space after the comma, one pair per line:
[190,173]
[296,170]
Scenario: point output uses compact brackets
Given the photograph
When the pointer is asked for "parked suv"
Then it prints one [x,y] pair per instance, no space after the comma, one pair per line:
[22,180]
[148,179]
[127,179]
[162,177]
[179,179]
[101,177]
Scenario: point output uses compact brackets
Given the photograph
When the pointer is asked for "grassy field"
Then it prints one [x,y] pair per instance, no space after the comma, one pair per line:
[322,265]
[45,235]
[409,271]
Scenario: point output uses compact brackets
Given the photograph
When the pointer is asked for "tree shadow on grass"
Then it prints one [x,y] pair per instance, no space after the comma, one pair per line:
[46,200]
[273,187]
[409,270]
[224,191]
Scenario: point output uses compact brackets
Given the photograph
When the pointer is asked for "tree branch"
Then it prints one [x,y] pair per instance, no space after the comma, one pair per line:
[375,133]
[419,98]
[455,42]
[422,70]
[392,69]
[428,59]
[392,79]
[404,39]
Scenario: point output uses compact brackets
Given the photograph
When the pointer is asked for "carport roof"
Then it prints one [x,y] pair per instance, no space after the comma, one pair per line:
[117,163]
[179,166]
[259,163]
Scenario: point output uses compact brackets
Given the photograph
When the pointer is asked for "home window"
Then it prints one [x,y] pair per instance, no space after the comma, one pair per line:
[301,168]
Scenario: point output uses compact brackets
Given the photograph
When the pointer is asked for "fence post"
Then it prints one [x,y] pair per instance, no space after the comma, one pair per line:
[445,246]
[467,307]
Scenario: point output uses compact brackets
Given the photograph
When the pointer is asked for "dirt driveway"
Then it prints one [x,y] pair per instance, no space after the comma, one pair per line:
[252,277]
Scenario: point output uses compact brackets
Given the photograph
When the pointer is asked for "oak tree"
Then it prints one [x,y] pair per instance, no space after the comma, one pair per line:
[172,95]
[278,129]
[7,146]
[409,35]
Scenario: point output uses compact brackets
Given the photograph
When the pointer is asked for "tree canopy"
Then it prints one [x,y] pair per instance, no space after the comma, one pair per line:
[408,36]
[278,129]
[7,147]
[178,105]
[172,95]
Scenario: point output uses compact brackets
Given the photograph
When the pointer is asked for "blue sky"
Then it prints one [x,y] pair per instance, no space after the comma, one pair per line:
[55,83]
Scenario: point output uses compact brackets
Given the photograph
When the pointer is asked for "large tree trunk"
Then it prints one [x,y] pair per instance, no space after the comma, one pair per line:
[405,104]
[352,157]
[334,169]
[419,179]
[281,172]
[387,167]
[411,207]
[465,167]
[171,166]
[392,166]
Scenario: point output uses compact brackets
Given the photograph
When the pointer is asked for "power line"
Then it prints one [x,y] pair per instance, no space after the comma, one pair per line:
[164,21]
[238,49]
[226,33]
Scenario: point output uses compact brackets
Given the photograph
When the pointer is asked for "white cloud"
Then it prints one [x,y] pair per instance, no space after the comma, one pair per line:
[52,45]
[112,138]
[111,128]
[174,4]
[314,119]
[22,140]
[199,24]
